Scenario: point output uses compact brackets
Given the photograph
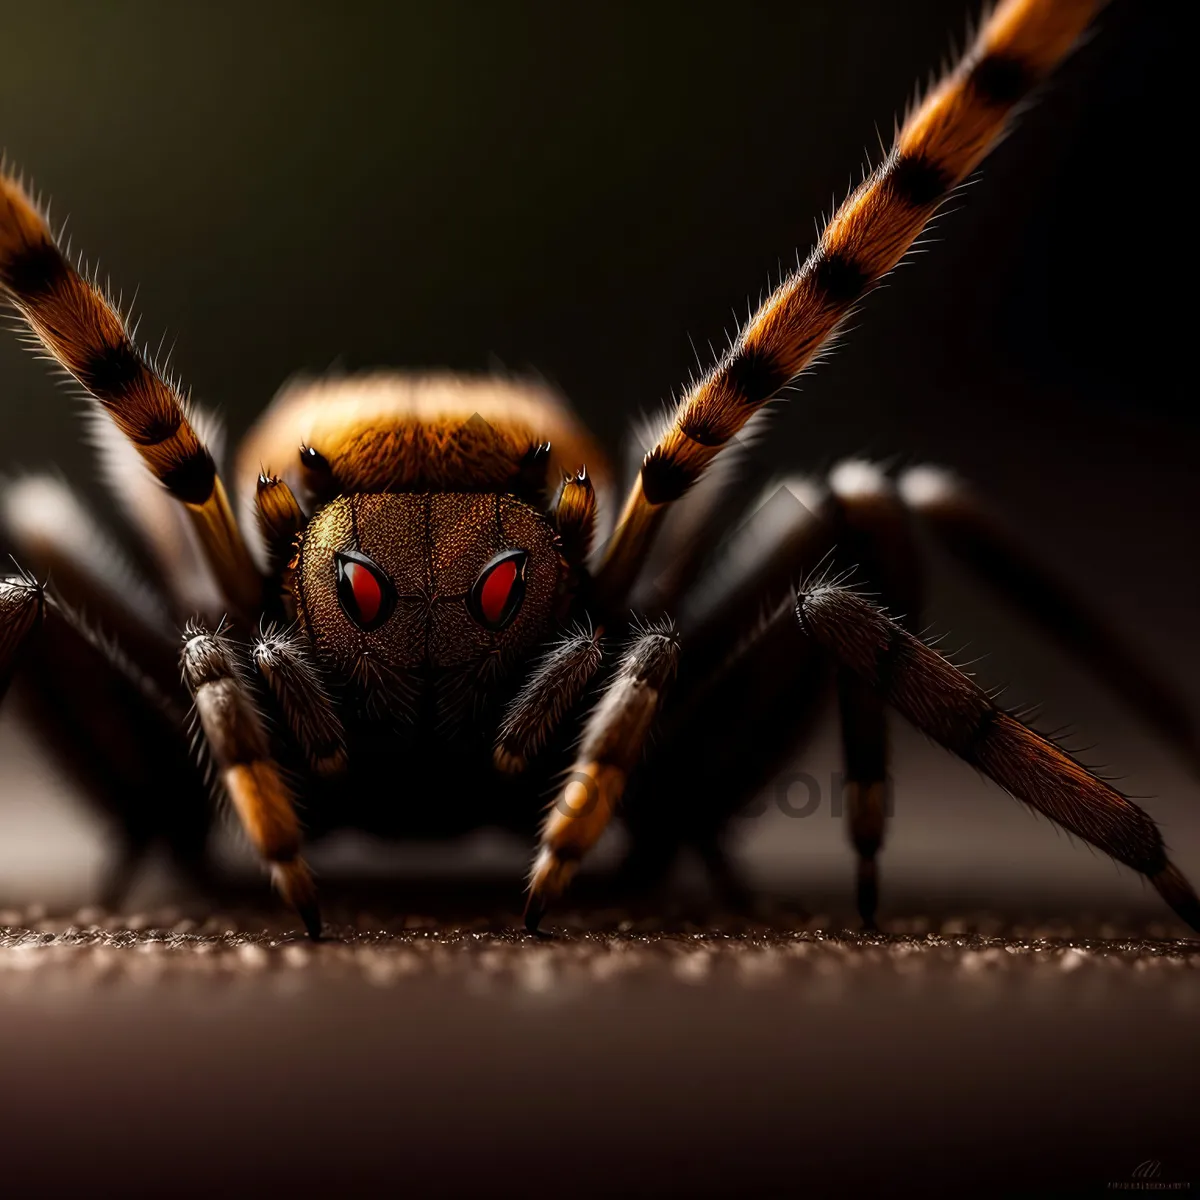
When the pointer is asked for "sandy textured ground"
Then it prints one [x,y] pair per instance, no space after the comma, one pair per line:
[155,1054]
[592,948]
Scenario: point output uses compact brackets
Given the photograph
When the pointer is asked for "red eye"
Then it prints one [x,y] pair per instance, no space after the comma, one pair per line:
[364,591]
[499,590]
[368,595]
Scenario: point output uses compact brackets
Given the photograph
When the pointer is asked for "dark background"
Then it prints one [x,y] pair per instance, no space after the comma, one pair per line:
[586,191]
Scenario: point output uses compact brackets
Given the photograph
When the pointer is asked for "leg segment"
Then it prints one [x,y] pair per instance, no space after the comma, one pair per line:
[552,690]
[161,523]
[613,741]
[955,712]
[749,684]
[575,517]
[725,736]
[939,145]
[279,521]
[283,660]
[53,533]
[108,725]
[237,739]
[702,518]
[87,336]
[873,539]
[22,610]
[978,539]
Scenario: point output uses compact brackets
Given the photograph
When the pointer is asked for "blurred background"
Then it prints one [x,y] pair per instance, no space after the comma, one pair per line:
[589,192]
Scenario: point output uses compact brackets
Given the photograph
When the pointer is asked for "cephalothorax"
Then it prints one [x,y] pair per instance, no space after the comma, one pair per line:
[429,568]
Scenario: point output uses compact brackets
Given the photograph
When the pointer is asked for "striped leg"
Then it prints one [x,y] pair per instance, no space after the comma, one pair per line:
[83,331]
[160,522]
[978,539]
[951,709]
[874,540]
[695,525]
[939,145]
[613,741]
[237,739]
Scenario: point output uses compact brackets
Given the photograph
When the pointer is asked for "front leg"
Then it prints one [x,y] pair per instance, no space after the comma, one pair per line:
[612,745]
[285,662]
[238,741]
[552,689]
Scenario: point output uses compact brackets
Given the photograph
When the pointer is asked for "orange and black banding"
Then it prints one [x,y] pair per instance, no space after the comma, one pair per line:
[237,739]
[86,335]
[553,688]
[948,706]
[614,739]
[575,517]
[938,146]
[285,662]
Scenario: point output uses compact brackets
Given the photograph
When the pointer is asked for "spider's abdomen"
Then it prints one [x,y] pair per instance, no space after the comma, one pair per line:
[393,431]
[419,601]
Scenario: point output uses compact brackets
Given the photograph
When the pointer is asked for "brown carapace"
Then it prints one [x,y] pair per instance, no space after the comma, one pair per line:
[422,617]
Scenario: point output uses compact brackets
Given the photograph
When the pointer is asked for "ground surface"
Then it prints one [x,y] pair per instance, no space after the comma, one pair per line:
[158,1053]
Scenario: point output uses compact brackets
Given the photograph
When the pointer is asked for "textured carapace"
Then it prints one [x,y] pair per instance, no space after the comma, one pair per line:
[425,591]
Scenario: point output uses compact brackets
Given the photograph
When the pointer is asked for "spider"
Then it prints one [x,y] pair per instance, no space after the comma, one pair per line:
[424,569]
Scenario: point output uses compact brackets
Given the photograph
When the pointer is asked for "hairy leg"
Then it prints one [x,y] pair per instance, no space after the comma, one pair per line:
[83,331]
[109,727]
[555,685]
[701,520]
[945,704]
[724,738]
[942,141]
[237,739]
[613,741]
[285,662]
[280,520]
[51,531]
[750,687]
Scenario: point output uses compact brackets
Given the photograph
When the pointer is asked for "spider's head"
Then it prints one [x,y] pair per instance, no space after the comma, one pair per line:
[425,594]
